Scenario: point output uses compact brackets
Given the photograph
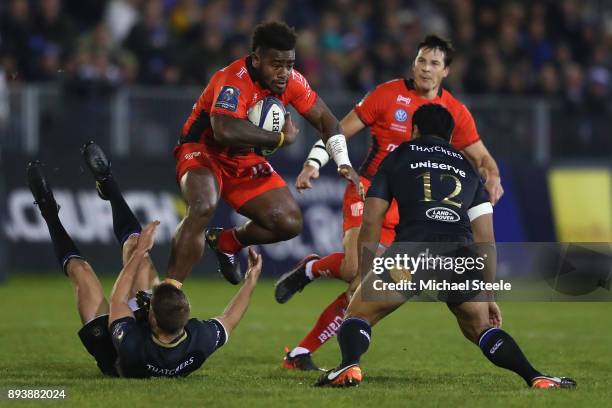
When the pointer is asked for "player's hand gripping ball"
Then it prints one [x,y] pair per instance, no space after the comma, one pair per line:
[268,114]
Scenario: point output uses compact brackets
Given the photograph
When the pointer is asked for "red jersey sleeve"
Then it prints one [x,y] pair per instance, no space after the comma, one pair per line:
[230,96]
[371,105]
[465,132]
[299,93]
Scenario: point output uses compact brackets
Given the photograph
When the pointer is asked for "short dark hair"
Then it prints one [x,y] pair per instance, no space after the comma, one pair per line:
[170,308]
[275,35]
[434,120]
[433,41]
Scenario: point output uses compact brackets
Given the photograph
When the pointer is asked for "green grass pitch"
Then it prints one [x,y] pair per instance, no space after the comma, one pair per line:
[417,356]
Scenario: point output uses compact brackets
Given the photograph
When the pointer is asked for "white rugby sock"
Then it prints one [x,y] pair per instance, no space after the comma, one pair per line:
[308,271]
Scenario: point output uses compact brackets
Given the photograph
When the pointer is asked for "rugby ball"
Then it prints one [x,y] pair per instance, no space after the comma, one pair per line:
[268,114]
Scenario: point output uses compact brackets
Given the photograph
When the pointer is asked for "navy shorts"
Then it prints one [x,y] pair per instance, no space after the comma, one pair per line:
[96,338]
[445,245]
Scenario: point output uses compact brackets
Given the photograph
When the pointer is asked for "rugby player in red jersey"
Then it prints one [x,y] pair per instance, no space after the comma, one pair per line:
[216,156]
[387,111]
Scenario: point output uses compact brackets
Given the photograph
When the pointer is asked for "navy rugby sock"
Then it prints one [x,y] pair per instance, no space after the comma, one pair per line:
[501,349]
[354,340]
[64,246]
[125,222]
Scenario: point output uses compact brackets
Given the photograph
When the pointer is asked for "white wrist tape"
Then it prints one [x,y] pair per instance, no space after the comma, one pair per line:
[336,147]
[318,156]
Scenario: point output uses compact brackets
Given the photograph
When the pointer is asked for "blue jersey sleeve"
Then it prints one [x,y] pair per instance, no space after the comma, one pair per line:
[127,340]
[214,335]
[480,203]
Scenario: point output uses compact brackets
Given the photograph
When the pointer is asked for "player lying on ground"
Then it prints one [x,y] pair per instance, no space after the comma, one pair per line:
[388,111]
[162,341]
[216,155]
[458,192]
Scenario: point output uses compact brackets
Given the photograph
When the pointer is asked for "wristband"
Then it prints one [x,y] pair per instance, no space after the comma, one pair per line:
[280,141]
[336,147]
[174,283]
[318,156]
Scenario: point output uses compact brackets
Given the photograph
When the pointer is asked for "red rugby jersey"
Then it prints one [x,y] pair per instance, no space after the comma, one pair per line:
[232,91]
[388,111]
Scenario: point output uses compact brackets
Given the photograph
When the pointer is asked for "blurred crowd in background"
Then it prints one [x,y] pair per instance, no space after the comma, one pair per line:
[561,48]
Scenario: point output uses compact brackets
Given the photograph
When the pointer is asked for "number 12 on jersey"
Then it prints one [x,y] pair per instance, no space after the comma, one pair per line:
[446,200]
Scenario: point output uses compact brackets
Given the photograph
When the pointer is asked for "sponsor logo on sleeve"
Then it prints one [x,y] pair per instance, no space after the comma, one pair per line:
[228,98]
[118,331]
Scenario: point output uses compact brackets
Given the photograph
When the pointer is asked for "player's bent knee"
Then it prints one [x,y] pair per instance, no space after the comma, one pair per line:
[292,226]
[201,212]
[80,269]
[287,224]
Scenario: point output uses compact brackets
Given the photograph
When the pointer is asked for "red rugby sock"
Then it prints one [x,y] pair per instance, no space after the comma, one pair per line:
[228,242]
[328,266]
[328,324]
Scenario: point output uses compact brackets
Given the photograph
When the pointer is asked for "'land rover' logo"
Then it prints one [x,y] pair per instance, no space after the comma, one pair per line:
[442,214]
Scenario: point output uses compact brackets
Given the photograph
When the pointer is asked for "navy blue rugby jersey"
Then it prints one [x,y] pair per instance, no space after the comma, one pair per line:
[437,190]
[141,354]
